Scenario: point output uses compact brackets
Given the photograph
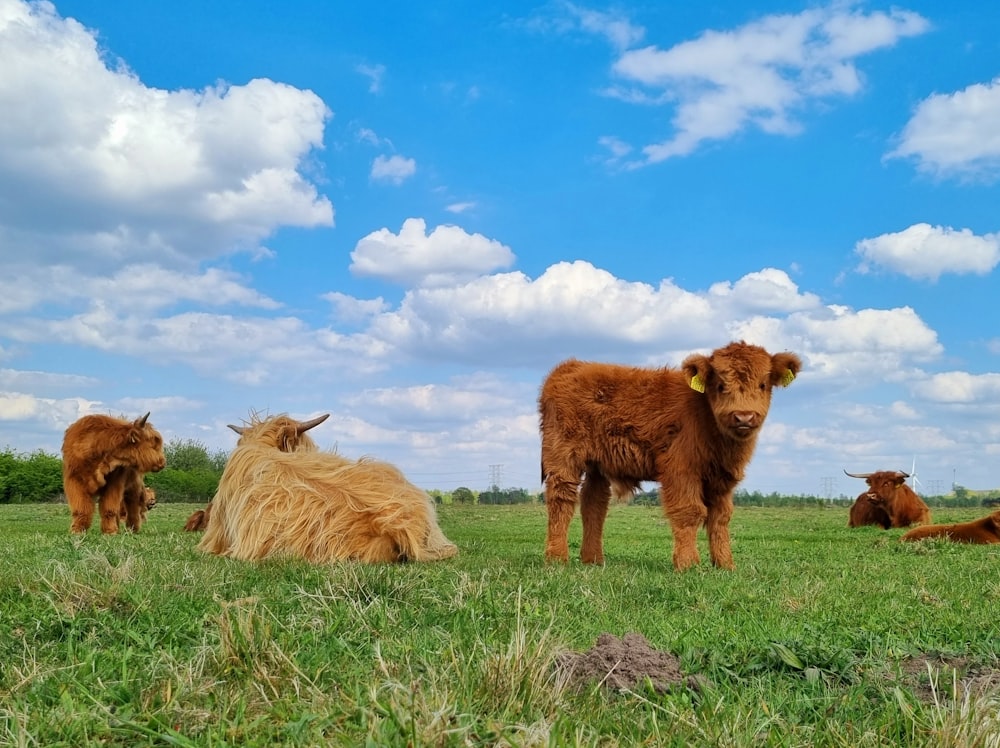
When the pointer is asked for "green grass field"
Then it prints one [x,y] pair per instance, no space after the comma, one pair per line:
[823,636]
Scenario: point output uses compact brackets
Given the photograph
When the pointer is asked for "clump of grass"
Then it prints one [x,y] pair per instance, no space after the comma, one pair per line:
[504,695]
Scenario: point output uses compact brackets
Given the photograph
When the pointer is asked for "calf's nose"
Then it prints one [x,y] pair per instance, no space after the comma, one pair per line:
[744,418]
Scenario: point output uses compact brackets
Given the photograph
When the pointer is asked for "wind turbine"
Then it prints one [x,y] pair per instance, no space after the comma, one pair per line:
[914,483]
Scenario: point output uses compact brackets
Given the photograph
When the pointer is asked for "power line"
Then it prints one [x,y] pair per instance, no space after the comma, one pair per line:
[496,476]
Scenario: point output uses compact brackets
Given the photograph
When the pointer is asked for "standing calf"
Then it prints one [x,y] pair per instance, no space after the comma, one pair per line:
[103,457]
[692,429]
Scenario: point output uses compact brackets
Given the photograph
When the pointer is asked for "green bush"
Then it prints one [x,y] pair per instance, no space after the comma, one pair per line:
[29,478]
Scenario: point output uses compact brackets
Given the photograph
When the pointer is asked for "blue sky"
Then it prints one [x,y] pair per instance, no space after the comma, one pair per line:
[406,214]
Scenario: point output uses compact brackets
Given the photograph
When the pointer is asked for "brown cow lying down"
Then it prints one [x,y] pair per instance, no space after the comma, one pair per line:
[198,520]
[280,496]
[888,491]
[691,429]
[865,512]
[103,458]
[985,531]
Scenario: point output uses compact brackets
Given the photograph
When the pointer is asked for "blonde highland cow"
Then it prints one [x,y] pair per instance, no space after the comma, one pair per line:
[280,496]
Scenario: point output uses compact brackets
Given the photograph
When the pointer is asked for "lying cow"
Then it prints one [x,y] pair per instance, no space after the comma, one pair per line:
[864,512]
[103,457]
[692,429]
[887,490]
[198,520]
[280,496]
[984,531]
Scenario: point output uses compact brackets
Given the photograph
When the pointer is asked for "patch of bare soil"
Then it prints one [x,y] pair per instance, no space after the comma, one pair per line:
[627,664]
[946,677]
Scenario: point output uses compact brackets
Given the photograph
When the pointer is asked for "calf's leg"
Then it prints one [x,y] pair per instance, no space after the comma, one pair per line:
[560,501]
[81,505]
[112,498]
[595,494]
[686,513]
[720,512]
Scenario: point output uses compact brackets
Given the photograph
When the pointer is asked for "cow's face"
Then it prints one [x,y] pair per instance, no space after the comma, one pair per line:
[737,381]
[882,487]
[148,497]
[145,446]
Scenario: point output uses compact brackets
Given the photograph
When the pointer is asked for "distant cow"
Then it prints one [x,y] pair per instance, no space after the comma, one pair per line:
[866,512]
[692,429]
[198,520]
[102,457]
[280,496]
[887,490]
[985,531]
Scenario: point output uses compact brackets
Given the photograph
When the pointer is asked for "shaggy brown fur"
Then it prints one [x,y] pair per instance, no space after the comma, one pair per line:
[280,496]
[691,429]
[198,520]
[984,531]
[139,499]
[865,512]
[888,491]
[102,457]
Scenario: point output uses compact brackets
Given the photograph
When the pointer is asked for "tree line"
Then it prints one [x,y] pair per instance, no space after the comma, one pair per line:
[193,472]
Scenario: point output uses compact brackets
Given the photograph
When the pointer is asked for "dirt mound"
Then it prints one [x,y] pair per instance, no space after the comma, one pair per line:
[626,664]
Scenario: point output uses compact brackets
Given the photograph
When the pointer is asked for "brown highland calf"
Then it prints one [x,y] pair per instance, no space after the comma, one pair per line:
[198,520]
[139,499]
[985,531]
[692,429]
[103,457]
[280,496]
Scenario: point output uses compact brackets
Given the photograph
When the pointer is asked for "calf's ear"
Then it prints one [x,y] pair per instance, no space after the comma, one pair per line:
[784,367]
[695,368]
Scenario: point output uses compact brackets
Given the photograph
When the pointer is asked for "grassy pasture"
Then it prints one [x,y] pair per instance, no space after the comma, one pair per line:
[823,636]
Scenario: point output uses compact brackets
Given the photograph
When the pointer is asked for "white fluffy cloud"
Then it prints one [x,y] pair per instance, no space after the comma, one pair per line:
[446,255]
[761,74]
[927,252]
[956,133]
[959,387]
[132,173]
[393,169]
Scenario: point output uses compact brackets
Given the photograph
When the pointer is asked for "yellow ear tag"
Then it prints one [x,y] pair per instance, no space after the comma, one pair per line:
[697,383]
[787,378]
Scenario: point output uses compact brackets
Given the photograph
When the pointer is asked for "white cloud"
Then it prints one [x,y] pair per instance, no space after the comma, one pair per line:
[925,251]
[394,169]
[960,387]
[766,290]
[374,74]
[415,258]
[133,173]
[956,133]
[572,309]
[460,207]
[761,74]
[136,287]
[617,29]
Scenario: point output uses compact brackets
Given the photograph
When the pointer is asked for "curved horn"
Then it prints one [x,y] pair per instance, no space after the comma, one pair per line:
[140,422]
[304,426]
[901,474]
[858,475]
[238,429]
